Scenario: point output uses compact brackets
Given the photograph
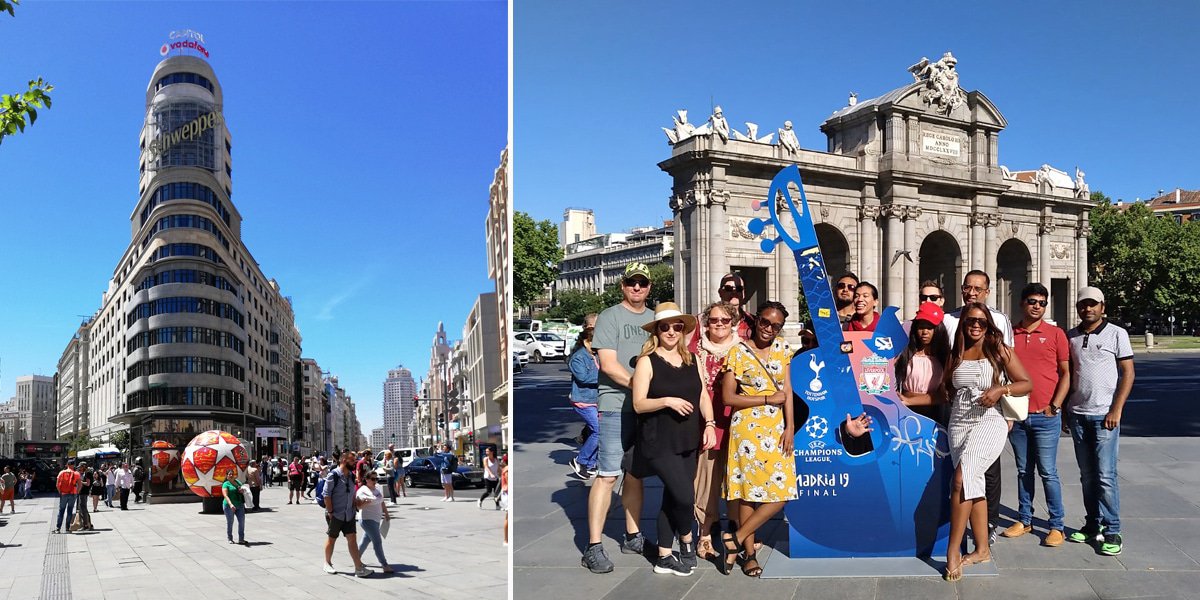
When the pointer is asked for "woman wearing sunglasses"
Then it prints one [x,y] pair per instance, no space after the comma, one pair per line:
[711,345]
[761,472]
[981,370]
[670,399]
[369,500]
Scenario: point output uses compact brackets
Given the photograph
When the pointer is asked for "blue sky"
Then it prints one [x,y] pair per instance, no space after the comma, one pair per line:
[1107,86]
[365,136]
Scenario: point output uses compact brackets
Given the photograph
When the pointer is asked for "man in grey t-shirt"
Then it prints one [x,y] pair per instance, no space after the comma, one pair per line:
[1101,377]
[618,340]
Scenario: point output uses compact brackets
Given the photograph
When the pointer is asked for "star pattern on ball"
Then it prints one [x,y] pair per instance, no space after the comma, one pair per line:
[208,457]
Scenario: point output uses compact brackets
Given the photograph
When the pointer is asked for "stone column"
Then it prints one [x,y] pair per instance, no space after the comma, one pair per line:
[893,283]
[1046,228]
[911,273]
[868,243]
[990,246]
[978,220]
[718,230]
[1081,247]
[681,260]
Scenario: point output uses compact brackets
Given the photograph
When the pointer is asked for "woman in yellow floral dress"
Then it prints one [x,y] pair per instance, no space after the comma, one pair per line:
[761,471]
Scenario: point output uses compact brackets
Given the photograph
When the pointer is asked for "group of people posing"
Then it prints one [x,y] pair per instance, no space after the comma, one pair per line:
[78,481]
[705,404]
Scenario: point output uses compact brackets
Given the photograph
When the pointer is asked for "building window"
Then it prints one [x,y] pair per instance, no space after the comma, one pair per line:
[186,335]
[186,364]
[191,78]
[198,250]
[184,396]
[192,221]
[186,190]
[174,149]
[185,305]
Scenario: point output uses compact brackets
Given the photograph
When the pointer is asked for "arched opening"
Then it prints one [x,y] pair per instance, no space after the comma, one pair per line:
[834,249]
[1014,270]
[941,261]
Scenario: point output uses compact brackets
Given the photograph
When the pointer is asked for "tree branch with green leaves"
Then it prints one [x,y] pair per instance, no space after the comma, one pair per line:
[20,109]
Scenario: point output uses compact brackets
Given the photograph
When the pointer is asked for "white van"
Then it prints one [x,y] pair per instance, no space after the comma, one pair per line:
[406,454]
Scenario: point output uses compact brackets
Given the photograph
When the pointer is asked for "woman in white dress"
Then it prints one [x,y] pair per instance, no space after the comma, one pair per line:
[980,371]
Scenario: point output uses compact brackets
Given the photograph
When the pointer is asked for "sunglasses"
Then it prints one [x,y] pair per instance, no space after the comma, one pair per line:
[979,322]
[1036,302]
[731,288]
[846,286]
[765,324]
[719,320]
[637,282]
[930,297]
[665,327]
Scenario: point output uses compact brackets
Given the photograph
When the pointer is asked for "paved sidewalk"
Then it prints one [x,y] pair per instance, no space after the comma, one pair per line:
[438,550]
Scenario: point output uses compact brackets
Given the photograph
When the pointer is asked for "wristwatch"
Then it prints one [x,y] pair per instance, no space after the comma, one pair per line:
[1054,408]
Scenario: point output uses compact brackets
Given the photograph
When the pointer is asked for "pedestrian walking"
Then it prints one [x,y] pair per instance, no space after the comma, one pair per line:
[761,474]
[1046,356]
[981,370]
[233,503]
[254,478]
[504,496]
[671,402]
[339,514]
[491,476]
[1102,376]
[715,336]
[398,475]
[389,474]
[110,484]
[67,485]
[976,287]
[139,481]
[369,500]
[618,340]
[8,489]
[124,483]
[585,373]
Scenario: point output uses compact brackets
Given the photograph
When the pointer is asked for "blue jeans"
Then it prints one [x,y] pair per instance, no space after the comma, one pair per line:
[66,503]
[1035,442]
[617,433]
[1096,453]
[230,512]
[587,452]
[108,495]
[371,536]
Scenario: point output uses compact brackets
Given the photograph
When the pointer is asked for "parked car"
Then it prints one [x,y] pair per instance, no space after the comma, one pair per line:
[517,366]
[428,471]
[521,355]
[540,345]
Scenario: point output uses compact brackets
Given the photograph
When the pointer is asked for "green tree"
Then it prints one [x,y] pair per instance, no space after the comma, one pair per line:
[536,256]
[574,305]
[121,441]
[663,289]
[16,108]
[78,441]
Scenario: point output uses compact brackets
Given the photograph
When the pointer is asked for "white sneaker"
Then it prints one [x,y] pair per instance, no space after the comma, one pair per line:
[363,572]
[481,504]
[329,569]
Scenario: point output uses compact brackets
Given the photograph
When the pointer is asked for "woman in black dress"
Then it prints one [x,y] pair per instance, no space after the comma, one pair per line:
[98,485]
[675,421]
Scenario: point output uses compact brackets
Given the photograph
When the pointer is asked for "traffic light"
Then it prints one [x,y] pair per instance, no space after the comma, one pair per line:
[472,437]
[441,421]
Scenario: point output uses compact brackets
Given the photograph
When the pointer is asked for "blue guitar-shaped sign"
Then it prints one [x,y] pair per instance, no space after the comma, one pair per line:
[885,493]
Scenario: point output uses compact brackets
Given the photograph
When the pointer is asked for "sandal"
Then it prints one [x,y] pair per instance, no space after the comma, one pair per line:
[954,574]
[729,549]
[747,569]
[705,550]
[969,560]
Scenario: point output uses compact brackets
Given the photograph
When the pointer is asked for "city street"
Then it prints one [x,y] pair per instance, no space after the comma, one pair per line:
[1160,504]
[438,550]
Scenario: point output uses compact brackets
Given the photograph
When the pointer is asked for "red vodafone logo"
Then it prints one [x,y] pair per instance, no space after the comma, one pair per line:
[163,51]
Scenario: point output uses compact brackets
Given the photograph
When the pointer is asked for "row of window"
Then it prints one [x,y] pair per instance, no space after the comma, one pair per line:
[191,221]
[184,396]
[197,250]
[185,190]
[202,306]
[192,78]
[186,335]
[185,364]
[187,276]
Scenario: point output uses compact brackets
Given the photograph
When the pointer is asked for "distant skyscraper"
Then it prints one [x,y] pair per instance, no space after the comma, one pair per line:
[398,391]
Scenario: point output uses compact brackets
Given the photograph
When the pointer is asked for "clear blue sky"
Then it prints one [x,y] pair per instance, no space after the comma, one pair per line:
[365,136]
[1109,86]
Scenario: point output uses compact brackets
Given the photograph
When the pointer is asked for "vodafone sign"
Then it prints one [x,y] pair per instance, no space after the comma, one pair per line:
[186,39]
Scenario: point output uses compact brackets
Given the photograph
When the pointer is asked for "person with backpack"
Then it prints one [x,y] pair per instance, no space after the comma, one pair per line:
[139,481]
[339,492]
[68,486]
[449,466]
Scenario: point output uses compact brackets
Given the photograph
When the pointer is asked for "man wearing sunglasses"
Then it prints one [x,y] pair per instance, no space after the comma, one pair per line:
[843,296]
[931,291]
[618,340]
[976,287]
[1045,354]
[1102,371]
[733,290]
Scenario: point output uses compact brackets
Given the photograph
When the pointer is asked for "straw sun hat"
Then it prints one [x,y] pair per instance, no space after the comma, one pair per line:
[669,311]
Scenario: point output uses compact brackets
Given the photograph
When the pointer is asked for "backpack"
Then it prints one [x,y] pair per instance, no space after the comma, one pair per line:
[67,480]
[451,464]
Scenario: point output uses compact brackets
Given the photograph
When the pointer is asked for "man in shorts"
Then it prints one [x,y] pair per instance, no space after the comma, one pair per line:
[618,339]
[295,480]
[339,513]
[449,466]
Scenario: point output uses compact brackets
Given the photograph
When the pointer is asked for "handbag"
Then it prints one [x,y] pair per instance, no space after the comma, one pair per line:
[1014,408]
[77,522]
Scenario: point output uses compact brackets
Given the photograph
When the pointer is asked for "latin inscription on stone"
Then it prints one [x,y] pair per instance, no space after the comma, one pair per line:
[940,144]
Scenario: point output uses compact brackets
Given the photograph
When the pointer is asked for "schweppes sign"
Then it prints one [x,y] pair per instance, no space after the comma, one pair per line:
[189,131]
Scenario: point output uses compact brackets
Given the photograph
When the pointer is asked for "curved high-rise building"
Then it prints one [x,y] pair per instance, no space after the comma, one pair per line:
[191,335]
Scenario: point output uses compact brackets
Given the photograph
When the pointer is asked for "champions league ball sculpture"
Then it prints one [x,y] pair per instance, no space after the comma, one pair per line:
[164,462]
[208,458]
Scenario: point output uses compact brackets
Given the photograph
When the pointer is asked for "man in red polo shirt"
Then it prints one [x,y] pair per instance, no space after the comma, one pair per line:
[1044,352]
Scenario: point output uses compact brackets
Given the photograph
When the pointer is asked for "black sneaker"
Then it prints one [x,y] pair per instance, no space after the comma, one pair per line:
[596,560]
[687,554]
[991,534]
[580,471]
[634,545]
[669,564]
[1111,545]
[1091,532]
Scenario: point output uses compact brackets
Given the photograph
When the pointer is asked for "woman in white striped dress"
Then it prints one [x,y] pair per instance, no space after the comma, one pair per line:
[981,370]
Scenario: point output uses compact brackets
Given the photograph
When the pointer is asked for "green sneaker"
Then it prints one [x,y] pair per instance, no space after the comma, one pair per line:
[1091,532]
[1111,545]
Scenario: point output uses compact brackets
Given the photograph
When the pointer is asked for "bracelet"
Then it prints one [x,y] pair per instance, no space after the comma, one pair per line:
[710,422]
